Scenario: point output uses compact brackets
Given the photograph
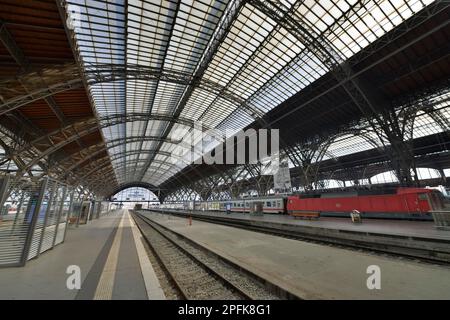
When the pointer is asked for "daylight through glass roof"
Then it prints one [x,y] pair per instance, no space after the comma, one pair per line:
[258,64]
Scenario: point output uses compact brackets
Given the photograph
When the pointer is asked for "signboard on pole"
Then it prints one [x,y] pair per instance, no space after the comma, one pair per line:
[282,177]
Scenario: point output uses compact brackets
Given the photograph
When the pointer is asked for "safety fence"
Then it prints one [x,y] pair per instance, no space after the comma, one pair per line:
[34,217]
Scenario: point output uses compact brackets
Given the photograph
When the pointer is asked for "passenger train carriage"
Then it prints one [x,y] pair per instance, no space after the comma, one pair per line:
[271,204]
[398,203]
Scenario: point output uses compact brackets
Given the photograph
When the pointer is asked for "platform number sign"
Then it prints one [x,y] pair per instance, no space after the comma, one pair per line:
[74,279]
[374,280]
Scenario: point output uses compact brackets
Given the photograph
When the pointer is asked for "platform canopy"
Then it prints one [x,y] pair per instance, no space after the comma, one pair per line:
[100,94]
[224,63]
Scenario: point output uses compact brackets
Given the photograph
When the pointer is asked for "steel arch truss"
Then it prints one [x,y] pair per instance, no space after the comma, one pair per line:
[43,146]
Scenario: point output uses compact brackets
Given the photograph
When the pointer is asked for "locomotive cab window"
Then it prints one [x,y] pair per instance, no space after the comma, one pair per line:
[423,196]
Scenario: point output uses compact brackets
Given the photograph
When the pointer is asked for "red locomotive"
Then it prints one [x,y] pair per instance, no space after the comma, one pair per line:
[409,203]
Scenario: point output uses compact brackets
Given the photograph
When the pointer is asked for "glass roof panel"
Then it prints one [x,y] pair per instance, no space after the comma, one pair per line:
[258,64]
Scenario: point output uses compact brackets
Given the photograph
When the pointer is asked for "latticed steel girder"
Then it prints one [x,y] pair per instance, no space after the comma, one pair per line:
[98,170]
[104,162]
[69,78]
[10,140]
[37,94]
[48,144]
[324,51]
[35,85]
[105,183]
[25,125]
[100,73]
[360,172]
[99,187]
[308,155]
[359,93]
[10,44]
[102,174]
[409,112]
[73,161]
[81,128]
[38,78]
[402,28]
[214,43]
[222,182]
[103,187]
[180,180]
[113,119]
[439,118]
[320,47]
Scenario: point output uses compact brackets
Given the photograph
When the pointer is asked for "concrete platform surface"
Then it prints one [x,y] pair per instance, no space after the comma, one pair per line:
[314,271]
[419,229]
[110,258]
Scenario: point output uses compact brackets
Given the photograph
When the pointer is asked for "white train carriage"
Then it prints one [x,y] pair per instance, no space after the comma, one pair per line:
[185,205]
[269,204]
[274,204]
[172,205]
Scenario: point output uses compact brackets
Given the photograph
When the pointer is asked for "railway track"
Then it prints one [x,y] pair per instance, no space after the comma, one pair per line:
[197,273]
[375,247]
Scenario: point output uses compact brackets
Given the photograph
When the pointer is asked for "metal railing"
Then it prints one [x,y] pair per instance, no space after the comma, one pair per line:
[38,221]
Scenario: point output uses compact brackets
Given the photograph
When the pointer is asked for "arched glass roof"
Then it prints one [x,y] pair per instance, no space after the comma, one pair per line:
[218,62]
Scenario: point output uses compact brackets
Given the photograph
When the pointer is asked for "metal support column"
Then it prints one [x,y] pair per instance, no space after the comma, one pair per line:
[4,185]
[61,206]
[19,207]
[72,196]
[47,212]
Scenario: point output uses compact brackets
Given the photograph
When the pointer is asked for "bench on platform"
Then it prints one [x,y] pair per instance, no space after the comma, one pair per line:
[305,214]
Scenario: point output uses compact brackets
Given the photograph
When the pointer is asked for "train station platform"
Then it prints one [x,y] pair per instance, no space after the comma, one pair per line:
[405,228]
[418,239]
[314,271]
[111,258]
